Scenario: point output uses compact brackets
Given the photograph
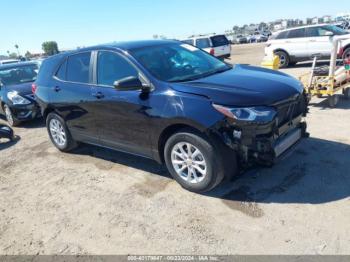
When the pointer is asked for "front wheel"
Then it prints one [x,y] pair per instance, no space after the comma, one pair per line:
[59,134]
[194,162]
[284,59]
[10,117]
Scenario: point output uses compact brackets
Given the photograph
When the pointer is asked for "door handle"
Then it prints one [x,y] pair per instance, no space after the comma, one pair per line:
[98,95]
[312,40]
[56,89]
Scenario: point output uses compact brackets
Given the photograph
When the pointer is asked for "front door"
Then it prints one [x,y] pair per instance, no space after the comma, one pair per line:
[319,42]
[122,115]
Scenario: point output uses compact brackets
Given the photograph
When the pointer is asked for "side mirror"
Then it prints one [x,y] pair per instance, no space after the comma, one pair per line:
[329,33]
[130,83]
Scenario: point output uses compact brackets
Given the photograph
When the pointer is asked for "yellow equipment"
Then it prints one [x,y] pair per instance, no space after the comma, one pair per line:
[271,62]
[338,79]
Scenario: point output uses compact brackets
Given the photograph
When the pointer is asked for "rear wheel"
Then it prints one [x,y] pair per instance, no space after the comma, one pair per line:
[284,58]
[346,92]
[9,116]
[59,134]
[194,162]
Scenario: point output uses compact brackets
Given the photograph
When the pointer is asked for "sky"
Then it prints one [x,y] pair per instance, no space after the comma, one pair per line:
[73,23]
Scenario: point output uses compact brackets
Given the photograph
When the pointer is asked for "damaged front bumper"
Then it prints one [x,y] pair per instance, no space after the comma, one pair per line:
[263,144]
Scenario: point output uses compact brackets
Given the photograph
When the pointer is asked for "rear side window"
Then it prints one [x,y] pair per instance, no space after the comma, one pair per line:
[297,33]
[112,67]
[202,43]
[219,40]
[61,73]
[78,68]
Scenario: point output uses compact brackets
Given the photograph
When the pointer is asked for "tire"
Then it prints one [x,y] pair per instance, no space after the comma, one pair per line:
[346,54]
[284,58]
[9,117]
[212,157]
[61,138]
[333,101]
[346,93]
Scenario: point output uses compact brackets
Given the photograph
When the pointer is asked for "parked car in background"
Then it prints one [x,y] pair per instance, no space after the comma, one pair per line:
[299,44]
[216,45]
[9,61]
[17,101]
[241,39]
[174,103]
[257,37]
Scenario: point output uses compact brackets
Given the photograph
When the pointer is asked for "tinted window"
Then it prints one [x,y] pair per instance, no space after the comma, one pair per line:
[282,35]
[312,32]
[112,67]
[178,62]
[219,40]
[78,68]
[297,33]
[18,75]
[188,41]
[202,43]
[61,73]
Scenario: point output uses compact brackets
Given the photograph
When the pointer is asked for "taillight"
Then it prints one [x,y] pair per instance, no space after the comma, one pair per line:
[34,87]
[212,51]
[341,51]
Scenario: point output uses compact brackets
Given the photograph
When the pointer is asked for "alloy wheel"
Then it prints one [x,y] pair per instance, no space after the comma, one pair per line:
[189,162]
[57,132]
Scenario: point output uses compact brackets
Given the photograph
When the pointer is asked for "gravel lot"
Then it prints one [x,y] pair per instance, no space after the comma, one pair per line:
[96,201]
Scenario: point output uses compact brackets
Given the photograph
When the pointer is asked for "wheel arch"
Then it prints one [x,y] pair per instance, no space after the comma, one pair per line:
[168,132]
[281,50]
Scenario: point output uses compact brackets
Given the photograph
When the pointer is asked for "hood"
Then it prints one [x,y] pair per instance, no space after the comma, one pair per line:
[244,86]
[22,89]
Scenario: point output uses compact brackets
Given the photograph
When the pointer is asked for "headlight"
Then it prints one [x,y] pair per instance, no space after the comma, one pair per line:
[16,99]
[262,114]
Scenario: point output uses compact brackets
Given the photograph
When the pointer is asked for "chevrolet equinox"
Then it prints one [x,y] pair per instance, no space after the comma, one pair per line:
[174,103]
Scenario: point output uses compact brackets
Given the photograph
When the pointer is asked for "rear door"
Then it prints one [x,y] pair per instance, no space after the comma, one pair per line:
[318,41]
[296,43]
[71,96]
[221,45]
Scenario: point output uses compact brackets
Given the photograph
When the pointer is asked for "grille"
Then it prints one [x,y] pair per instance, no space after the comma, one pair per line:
[288,110]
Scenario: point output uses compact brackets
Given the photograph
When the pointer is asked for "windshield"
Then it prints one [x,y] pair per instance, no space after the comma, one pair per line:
[336,30]
[178,62]
[18,75]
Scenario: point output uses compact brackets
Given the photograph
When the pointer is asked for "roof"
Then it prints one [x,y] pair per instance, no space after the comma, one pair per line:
[300,27]
[129,45]
[19,64]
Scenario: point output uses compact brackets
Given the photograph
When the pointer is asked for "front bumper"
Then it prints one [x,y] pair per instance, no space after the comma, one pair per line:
[263,144]
[25,112]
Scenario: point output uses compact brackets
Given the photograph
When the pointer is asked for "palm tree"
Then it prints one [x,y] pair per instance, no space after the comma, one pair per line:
[16,46]
[8,53]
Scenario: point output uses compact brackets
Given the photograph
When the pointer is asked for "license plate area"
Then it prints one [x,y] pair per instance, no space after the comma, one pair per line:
[287,141]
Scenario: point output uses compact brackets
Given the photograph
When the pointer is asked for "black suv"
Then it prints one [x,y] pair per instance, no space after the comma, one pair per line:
[174,103]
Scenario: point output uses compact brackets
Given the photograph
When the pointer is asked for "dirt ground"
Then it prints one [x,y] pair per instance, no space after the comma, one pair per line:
[96,201]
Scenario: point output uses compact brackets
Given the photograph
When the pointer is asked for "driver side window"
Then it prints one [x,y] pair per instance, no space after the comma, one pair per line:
[112,67]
